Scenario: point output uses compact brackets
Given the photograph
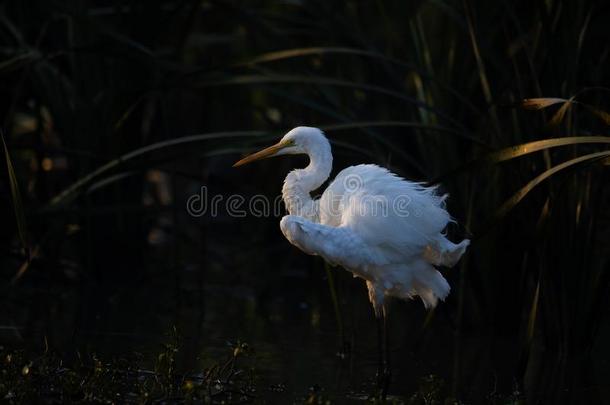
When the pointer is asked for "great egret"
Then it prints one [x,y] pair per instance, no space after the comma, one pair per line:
[378,226]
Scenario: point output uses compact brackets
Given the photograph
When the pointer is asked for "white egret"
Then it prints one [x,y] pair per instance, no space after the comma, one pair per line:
[378,226]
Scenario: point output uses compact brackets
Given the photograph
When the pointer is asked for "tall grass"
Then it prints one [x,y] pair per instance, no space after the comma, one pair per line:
[433,89]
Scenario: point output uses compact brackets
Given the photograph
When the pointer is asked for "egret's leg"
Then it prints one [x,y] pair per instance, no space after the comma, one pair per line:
[376,297]
[384,373]
[380,362]
[387,371]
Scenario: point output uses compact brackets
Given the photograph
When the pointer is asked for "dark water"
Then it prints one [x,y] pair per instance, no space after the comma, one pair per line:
[228,279]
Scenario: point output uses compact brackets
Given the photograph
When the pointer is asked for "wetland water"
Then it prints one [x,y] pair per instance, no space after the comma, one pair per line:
[224,280]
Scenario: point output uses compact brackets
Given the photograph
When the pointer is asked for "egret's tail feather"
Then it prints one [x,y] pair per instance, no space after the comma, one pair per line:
[443,252]
[452,256]
[426,295]
[430,285]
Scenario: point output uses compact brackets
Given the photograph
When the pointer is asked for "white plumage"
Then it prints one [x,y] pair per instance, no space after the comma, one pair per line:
[380,227]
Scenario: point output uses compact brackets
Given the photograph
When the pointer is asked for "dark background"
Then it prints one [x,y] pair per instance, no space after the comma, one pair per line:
[115,112]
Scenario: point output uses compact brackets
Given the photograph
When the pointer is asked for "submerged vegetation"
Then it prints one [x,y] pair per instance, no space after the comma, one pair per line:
[114,113]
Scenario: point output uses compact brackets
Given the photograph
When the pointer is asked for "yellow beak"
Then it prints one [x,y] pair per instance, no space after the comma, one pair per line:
[262,154]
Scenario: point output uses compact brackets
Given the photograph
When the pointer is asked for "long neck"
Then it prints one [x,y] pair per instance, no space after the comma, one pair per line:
[301,182]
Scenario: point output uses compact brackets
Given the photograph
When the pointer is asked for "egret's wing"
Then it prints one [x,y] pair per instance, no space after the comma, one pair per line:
[395,215]
[337,245]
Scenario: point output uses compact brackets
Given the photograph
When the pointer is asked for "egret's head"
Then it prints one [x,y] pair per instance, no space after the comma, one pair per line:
[300,140]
